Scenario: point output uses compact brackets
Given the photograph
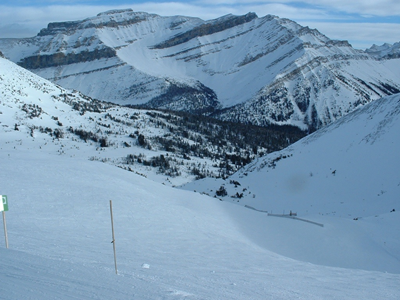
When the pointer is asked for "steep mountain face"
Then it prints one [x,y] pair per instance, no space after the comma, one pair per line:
[238,68]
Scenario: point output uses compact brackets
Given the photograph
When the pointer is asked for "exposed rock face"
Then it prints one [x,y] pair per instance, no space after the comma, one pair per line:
[59,27]
[59,58]
[293,98]
[207,29]
[70,27]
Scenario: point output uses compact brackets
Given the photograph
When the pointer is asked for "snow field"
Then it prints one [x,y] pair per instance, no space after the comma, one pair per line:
[171,244]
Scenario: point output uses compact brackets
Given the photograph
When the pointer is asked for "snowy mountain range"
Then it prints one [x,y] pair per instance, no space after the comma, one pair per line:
[385,51]
[249,69]
[316,220]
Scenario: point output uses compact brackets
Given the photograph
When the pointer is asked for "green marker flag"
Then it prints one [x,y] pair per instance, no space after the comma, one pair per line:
[3,203]
[3,208]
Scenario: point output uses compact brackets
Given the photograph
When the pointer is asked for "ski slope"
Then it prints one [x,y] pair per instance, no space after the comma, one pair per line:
[171,244]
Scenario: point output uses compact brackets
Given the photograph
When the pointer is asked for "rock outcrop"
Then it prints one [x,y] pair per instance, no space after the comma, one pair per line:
[207,29]
[59,58]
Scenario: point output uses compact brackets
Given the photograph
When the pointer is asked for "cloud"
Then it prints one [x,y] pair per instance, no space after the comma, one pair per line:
[27,21]
[179,8]
[361,7]
[360,35]
[16,30]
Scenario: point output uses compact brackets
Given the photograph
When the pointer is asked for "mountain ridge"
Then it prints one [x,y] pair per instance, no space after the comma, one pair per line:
[385,51]
[249,69]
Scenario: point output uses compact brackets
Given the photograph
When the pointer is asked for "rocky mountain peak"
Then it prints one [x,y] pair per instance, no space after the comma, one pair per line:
[111,18]
[386,51]
[59,27]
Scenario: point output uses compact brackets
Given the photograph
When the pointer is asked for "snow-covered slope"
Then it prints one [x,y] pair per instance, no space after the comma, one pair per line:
[259,70]
[347,171]
[171,244]
[166,147]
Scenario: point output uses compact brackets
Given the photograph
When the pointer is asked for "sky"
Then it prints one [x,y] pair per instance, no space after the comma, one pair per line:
[362,23]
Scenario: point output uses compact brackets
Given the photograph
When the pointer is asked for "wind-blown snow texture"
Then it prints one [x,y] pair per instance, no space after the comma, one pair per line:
[259,70]
[174,244]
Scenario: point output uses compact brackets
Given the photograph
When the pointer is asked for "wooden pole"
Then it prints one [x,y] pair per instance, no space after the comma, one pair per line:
[5,228]
[113,238]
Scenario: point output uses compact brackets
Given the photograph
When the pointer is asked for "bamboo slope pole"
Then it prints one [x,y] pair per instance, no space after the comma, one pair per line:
[113,237]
